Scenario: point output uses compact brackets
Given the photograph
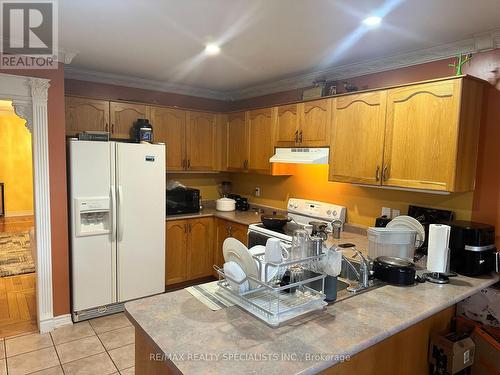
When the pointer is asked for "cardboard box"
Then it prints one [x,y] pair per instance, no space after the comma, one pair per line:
[451,352]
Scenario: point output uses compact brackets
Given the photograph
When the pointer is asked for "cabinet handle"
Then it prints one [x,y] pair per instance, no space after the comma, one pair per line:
[245,164]
[189,227]
[189,163]
[106,127]
[296,136]
[229,230]
[185,228]
[384,173]
[300,137]
[112,128]
[377,173]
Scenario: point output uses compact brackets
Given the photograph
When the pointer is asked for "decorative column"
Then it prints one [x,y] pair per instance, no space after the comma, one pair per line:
[35,113]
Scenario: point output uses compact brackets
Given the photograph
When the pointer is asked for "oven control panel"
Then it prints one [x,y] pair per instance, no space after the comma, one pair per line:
[323,210]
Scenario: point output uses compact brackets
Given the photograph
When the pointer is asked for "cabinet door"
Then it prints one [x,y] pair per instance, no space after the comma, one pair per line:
[200,141]
[83,114]
[176,252]
[169,126]
[226,229]
[357,144]
[260,124]
[238,231]
[287,125]
[315,120]
[200,247]
[421,136]
[123,116]
[236,142]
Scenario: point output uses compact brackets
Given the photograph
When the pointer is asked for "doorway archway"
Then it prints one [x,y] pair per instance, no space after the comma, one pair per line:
[29,100]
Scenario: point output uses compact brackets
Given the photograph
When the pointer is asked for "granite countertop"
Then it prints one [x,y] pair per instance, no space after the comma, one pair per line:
[242,217]
[231,341]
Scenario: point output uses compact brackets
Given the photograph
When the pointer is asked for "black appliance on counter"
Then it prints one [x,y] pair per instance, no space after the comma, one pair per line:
[183,200]
[472,248]
[382,221]
[427,216]
[241,202]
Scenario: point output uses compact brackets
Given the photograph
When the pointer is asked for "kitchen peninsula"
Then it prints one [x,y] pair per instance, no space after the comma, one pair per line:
[175,333]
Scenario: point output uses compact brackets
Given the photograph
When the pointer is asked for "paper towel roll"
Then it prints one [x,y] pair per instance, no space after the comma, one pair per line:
[437,250]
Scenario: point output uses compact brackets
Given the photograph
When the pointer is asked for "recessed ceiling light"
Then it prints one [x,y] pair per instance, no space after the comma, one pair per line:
[212,49]
[372,21]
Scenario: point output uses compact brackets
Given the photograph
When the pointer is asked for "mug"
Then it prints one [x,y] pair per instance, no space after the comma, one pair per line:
[275,252]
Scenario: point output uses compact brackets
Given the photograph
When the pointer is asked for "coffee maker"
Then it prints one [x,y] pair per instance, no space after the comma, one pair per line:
[472,248]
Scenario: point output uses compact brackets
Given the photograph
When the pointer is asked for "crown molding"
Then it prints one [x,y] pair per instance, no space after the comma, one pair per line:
[141,83]
[477,43]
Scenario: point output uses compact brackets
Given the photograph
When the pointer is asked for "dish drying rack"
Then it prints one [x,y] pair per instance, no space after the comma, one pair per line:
[271,302]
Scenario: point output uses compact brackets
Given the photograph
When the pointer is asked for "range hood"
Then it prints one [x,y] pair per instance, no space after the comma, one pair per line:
[301,155]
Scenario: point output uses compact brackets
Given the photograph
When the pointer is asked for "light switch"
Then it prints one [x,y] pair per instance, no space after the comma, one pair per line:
[386,211]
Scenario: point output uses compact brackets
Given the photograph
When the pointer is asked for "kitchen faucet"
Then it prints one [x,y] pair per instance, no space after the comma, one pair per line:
[364,271]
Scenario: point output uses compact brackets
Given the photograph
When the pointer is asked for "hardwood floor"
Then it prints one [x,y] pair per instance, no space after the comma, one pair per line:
[17,305]
[17,293]
[16,223]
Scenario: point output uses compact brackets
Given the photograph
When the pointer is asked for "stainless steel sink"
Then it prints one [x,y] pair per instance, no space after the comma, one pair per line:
[348,278]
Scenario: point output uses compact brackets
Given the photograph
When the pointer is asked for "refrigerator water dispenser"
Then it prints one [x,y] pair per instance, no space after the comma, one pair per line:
[92,216]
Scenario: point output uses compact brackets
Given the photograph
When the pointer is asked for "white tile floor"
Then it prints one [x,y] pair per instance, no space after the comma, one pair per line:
[99,346]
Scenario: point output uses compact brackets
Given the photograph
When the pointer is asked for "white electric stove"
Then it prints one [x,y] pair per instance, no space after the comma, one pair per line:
[302,211]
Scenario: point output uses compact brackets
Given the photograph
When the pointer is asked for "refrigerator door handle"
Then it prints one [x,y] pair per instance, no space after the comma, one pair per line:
[113,211]
[120,213]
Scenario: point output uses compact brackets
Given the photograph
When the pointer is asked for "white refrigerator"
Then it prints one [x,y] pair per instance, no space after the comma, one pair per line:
[117,205]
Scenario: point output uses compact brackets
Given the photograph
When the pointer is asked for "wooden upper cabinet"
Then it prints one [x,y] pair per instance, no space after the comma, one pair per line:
[261,130]
[287,125]
[315,119]
[237,147]
[431,135]
[169,126]
[82,114]
[176,251]
[357,144]
[200,247]
[200,141]
[123,116]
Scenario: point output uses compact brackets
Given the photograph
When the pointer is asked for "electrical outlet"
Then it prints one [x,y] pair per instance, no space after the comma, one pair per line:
[386,211]
[257,191]
[395,213]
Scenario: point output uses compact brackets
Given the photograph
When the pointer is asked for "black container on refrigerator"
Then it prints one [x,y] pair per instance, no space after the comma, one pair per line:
[472,248]
[142,131]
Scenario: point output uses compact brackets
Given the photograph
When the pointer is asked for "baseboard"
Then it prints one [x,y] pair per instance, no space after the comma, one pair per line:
[48,325]
[18,213]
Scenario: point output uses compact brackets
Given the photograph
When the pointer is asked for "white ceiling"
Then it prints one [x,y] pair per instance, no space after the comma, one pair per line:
[261,41]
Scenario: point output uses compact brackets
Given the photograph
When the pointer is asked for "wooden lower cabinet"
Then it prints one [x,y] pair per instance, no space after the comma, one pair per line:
[200,255]
[403,353]
[189,249]
[226,229]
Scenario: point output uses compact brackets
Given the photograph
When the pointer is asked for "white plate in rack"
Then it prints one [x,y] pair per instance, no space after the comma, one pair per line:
[408,222]
[235,251]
